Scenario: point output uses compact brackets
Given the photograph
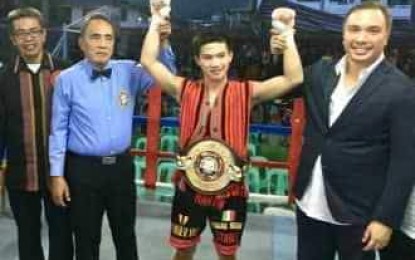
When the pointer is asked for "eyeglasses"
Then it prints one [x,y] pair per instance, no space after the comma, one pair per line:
[23,34]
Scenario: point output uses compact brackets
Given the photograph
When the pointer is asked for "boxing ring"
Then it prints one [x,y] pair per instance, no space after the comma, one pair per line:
[154,122]
[275,228]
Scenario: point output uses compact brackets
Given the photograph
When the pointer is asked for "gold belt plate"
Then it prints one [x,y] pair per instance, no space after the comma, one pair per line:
[209,166]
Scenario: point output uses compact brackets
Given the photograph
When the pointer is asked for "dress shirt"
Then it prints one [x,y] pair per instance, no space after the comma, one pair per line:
[314,201]
[94,116]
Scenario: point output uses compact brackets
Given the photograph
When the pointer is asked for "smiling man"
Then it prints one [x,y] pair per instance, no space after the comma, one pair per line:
[26,86]
[356,167]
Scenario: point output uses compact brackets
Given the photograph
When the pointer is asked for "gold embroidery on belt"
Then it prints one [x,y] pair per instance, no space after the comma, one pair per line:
[235,225]
[226,225]
[220,225]
[184,232]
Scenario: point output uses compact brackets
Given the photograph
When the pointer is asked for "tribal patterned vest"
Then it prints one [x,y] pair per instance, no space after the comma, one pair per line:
[227,119]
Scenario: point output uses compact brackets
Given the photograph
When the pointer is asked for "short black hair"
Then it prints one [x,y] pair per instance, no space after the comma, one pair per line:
[24,12]
[97,16]
[371,5]
[204,38]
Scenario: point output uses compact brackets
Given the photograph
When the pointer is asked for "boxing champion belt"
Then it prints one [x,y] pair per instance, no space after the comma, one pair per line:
[210,165]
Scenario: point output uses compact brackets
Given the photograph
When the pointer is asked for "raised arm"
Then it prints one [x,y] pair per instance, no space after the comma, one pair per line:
[164,77]
[293,70]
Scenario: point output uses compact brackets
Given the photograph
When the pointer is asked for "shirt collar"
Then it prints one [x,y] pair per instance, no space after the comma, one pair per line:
[340,67]
[46,63]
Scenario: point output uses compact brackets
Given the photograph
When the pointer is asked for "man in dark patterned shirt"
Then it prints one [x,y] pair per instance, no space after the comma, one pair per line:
[25,91]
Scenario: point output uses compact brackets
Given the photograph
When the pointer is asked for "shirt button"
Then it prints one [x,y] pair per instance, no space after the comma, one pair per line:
[215,129]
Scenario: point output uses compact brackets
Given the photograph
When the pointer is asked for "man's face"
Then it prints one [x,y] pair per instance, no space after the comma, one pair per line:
[365,36]
[29,38]
[214,61]
[97,43]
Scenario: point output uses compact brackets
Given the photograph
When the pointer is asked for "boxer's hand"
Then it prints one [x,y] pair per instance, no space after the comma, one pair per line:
[160,8]
[160,17]
[283,22]
[155,6]
[285,15]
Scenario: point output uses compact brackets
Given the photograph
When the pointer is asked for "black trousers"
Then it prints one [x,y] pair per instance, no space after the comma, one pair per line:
[401,247]
[27,212]
[99,185]
[319,240]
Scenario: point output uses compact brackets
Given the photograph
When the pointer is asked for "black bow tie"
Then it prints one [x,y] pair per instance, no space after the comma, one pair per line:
[101,73]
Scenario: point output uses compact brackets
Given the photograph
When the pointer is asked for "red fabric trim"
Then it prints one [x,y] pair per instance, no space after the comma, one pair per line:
[296,140]
[49,79]
[183,244]
[226,250]
[29,135]
[235,108]
[190,106]
[153,136]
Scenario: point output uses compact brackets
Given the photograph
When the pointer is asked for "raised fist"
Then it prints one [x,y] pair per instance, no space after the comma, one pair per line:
[160,7]
[284,15]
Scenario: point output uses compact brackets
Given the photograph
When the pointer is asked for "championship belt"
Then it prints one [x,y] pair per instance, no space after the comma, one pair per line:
[210,165]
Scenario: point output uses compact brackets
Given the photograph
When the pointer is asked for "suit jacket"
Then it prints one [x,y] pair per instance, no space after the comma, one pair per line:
[368,154]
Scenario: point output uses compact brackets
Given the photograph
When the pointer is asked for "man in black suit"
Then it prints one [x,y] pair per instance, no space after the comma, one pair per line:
[358,152]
